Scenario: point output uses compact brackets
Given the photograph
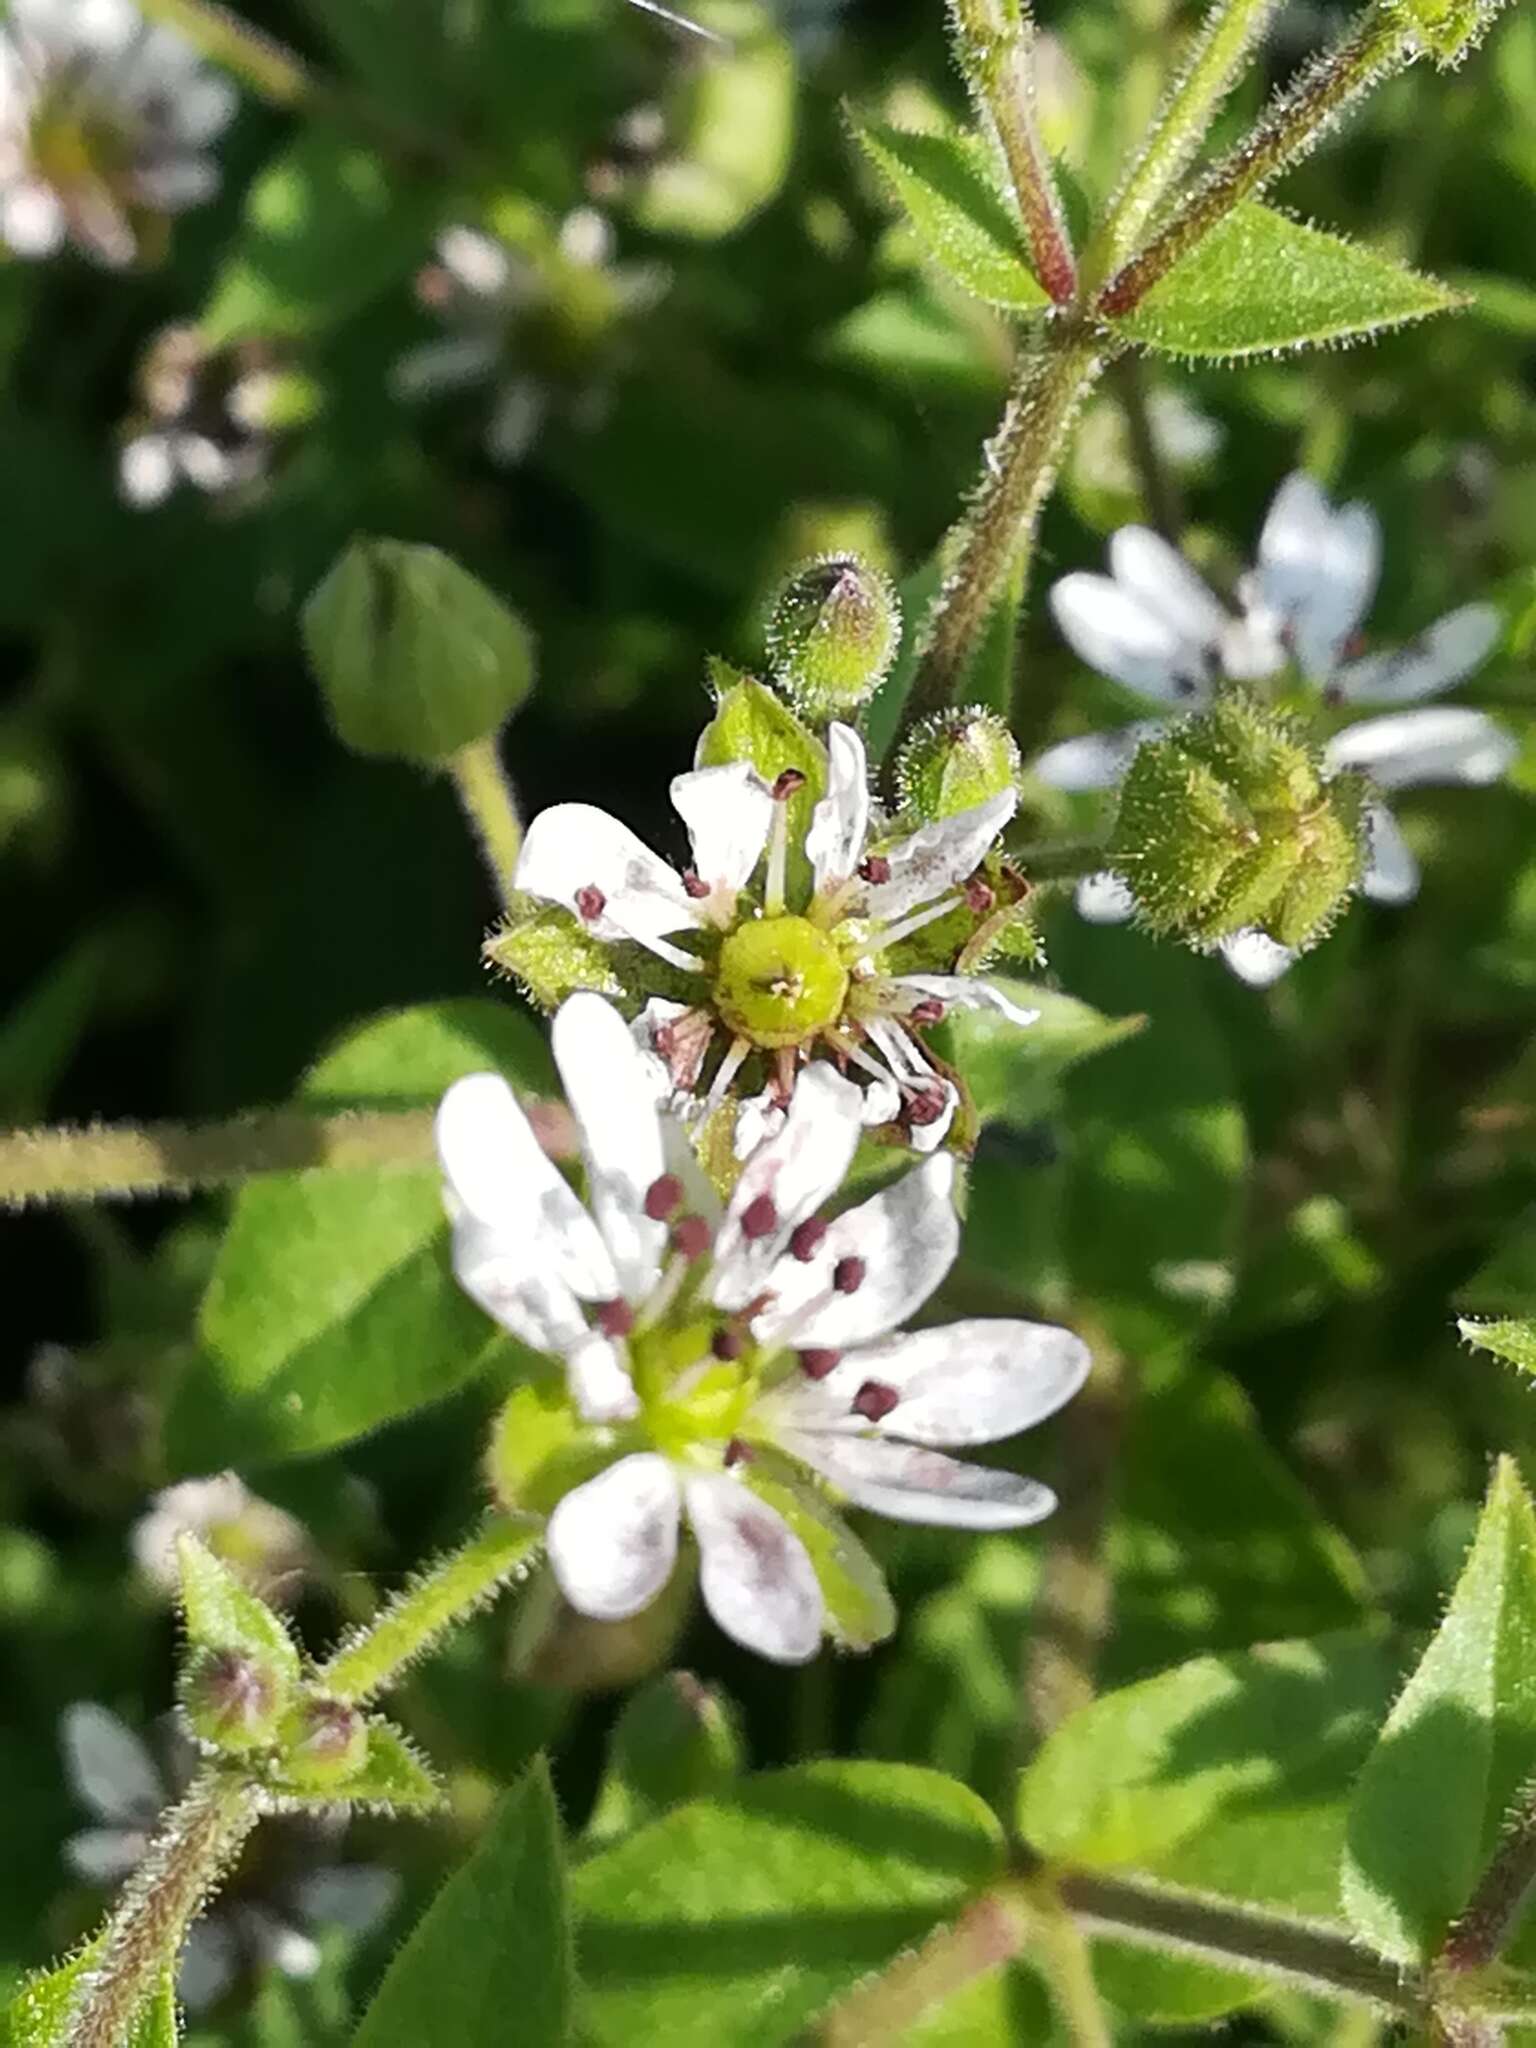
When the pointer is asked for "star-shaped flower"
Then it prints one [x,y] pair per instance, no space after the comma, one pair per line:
[730,1366]
[1155,627]
[105,123]
[843,945]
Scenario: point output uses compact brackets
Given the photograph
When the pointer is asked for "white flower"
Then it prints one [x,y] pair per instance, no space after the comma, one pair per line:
[1156,628]
[715,1354]
[105,119]
[821,970]
[207,420]
[113,1775]
[265,1544]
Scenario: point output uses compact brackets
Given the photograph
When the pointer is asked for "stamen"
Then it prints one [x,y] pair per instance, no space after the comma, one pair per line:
[848,1275]
[924,1106]
[929,1011]
[691,1236]
[664,1197]
[738,1453]
[816,1364]
[728,1344]
[591,902]
[805,1239]
[876,869]
[875,1400]
[759,1219]
[980,896]
[778,858]
[614,1318]
[908,925]
[695,884]
[786,783]
[730,1067]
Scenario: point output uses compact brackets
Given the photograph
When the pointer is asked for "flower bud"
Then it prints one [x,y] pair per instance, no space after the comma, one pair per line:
[233,1700]
[324,1742]
[832,634]
[416,658]
[1229,822]
[955,760]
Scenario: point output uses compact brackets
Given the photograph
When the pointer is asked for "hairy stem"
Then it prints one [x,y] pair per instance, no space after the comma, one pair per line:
[1294,124]
[486,796]
[222,37]
[1480,1935]
[197,1841]
[1068,1966]
[1159,486]
[994,538]
[443,1595]
[114,1161]
[1229,33]
[992,41]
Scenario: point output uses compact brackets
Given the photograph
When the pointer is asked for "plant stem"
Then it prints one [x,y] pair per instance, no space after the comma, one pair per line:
[1068,1967]
[992,40]
[1294,124]
[1159,487]
[114,1161]
[1230,31]
[269,69]
[444,1594]
[990,1932]
[994,539]
[1479,1936]
[196,1842]
[486,796]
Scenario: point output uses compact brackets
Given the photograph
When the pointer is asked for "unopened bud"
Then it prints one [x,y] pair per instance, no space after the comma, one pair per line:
[955,761]
[832,634]
[1230,822]
[232,1700]
[324,1742]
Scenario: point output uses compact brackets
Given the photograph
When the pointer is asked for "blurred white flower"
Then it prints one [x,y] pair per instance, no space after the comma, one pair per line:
[715,1355]
[265,1544]
[1155,627]
[253,1922]
[105,123]
[208,419]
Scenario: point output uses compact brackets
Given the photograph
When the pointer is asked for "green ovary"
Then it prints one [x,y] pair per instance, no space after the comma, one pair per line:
[780,981]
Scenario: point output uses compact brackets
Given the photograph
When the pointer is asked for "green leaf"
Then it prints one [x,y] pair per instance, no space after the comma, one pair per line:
[491,1958]
[415,657]
[959,216]
[676,1739]
[1012,1074]
[739,1918]
[1512,1340]
[1261,281]
[393,1779]
[1458,1745]
[328,226]
[332,1307]
[222,1614]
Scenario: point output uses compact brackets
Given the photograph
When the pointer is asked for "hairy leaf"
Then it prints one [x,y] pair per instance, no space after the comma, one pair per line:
[959,216]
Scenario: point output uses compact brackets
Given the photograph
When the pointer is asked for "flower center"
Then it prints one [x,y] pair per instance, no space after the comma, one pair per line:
[73,146]
[780,981]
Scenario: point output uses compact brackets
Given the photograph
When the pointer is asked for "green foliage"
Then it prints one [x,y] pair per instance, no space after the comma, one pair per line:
[741,1917]
[1512,1340]
[674,1740]
[221,1614]
[416,658]
[1260,281]
[494,1943]
[1458,1746]
[942,186]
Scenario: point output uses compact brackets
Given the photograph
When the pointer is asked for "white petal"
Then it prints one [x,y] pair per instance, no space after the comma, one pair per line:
[598,1377]
[1095,760]
[195,1504]
[1318,569]
[728,811]
[1157,575]
[478,263]
[613,1541]
[882,1103]
[1123,638]
[451,364]
[1105,899]
[936,857]
[910,1483]
[612,1088]
[1436,660]
[964,1383]
[176,184]
[355,1896]
[1447,743]
[834,844]
[907,1236]
[758,1119]
[286,1949]
[105,1855]
[501,1180]
[205,106]
[32,219]
[797,1171]
[209,1959]
[576,846]
[967,992]
[515,420]
[108,1767]
[754,1572]
[1256,958]
[1253,644]
[1392,873]
[146,469]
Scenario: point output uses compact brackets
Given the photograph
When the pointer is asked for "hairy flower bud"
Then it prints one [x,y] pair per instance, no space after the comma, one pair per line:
[954,761]
[1230,822]
[233,1700]
[323,1742]
[832,634]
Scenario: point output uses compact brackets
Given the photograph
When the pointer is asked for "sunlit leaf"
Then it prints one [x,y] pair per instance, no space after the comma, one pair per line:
[960,218]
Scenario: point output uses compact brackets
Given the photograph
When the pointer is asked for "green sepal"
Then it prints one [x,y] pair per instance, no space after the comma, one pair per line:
[752,724]
[552,954]
[540,1448]
[1513,1339]
[393,1779]
[860,1611]
[222,1614]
